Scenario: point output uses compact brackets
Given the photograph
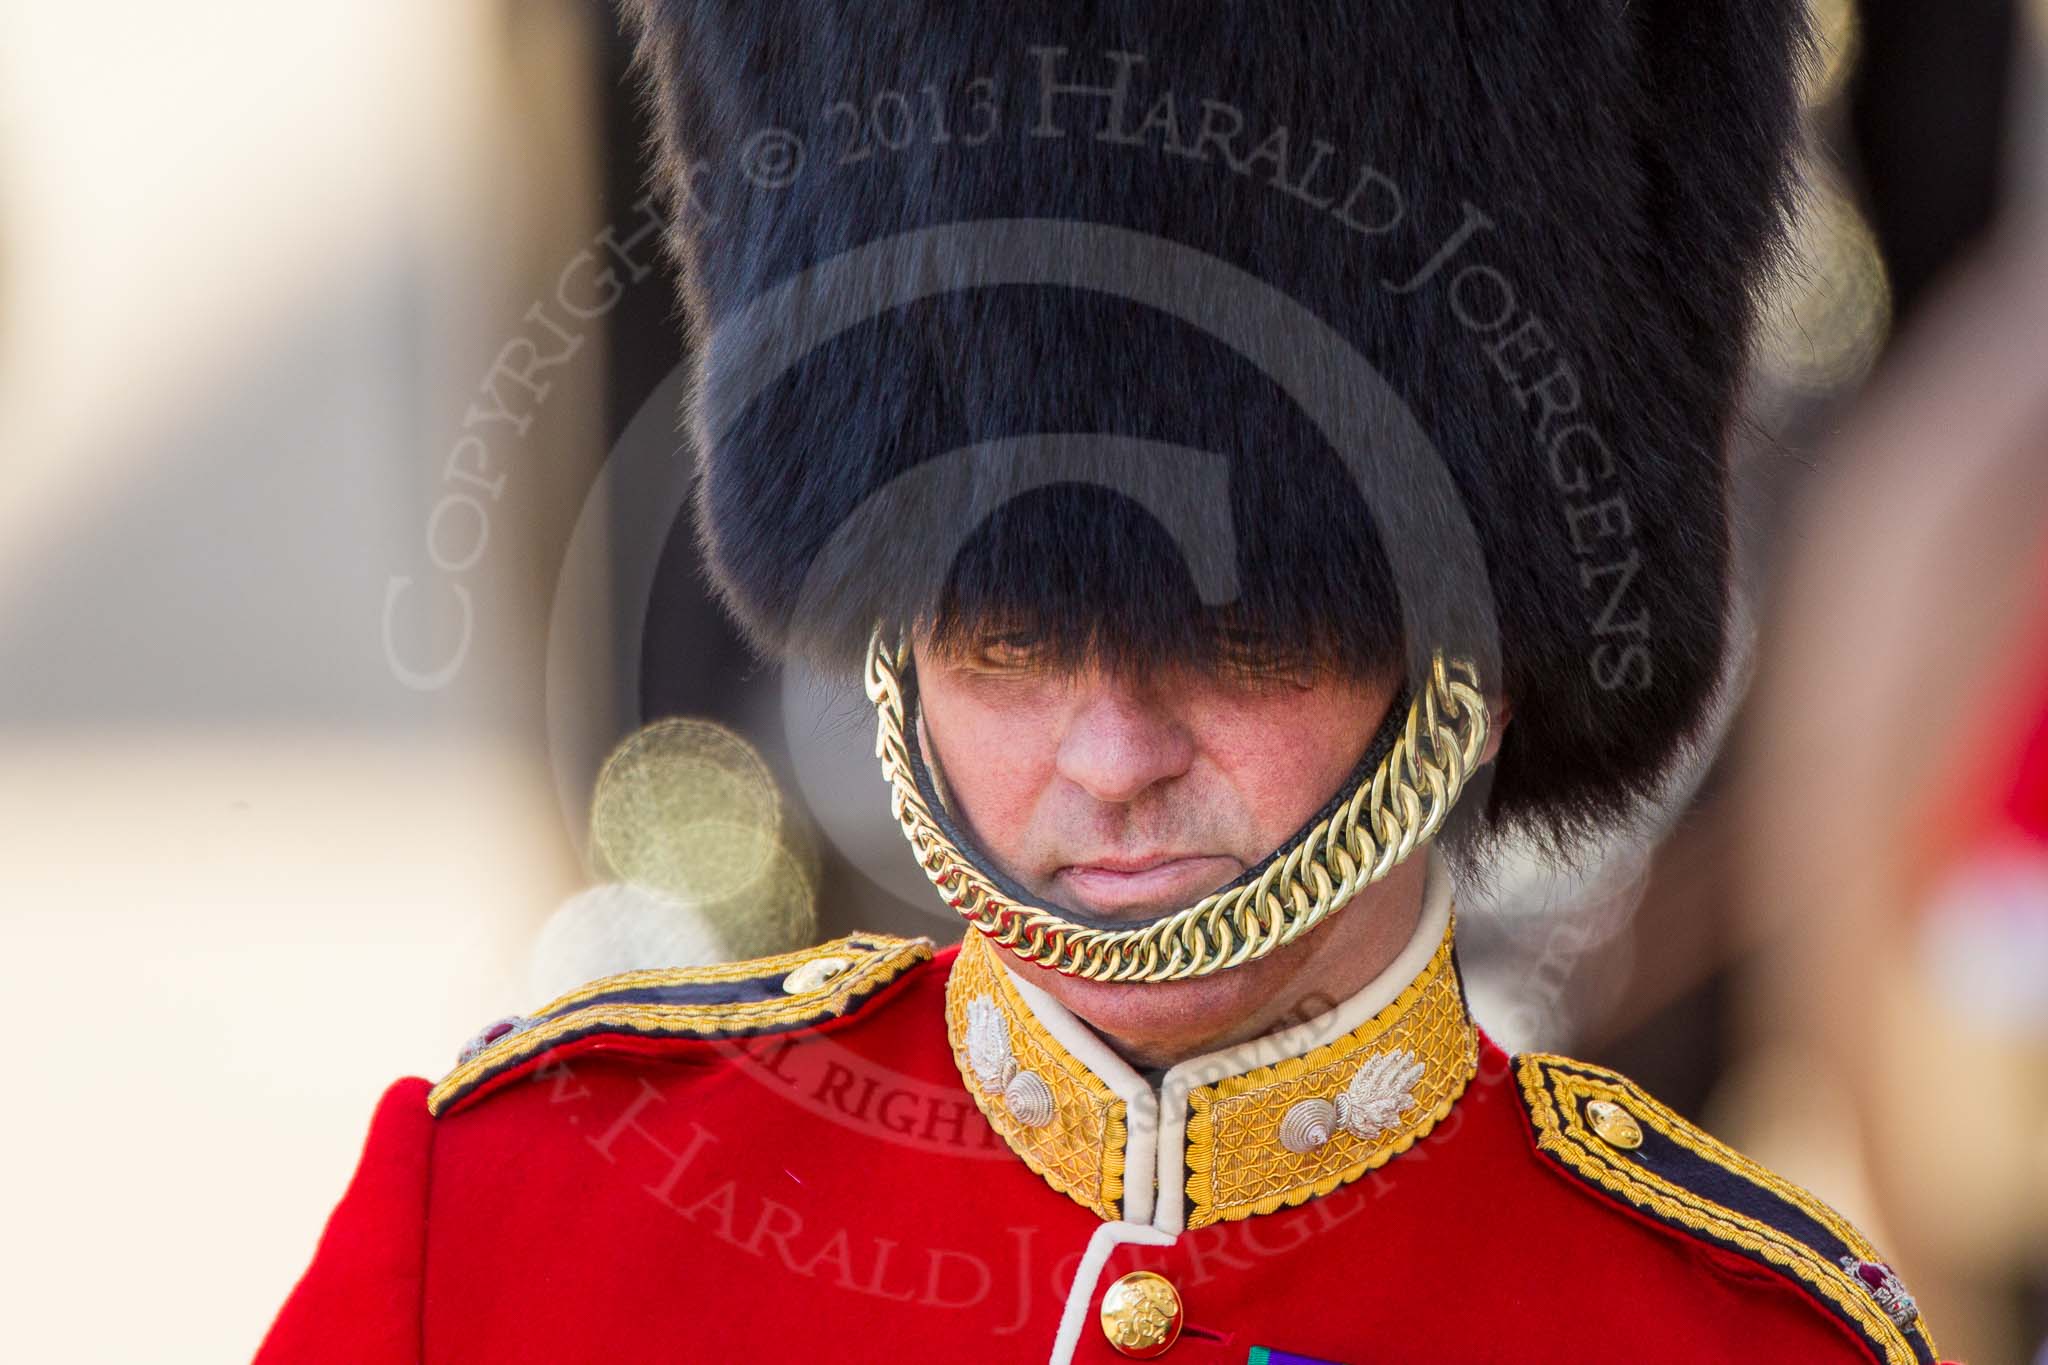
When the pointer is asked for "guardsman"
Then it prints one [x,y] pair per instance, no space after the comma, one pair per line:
[1255,458]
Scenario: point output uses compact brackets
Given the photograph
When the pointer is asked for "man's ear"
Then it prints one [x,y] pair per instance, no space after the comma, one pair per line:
[1498,711]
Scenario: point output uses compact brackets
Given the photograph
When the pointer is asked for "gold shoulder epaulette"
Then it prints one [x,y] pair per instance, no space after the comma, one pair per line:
[1607,1132]
[728,1000]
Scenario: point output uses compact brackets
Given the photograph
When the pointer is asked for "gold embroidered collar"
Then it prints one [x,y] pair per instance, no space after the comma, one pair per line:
[1245,1130]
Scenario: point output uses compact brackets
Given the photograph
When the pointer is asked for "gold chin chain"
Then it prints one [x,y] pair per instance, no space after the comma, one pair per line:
[1390,814]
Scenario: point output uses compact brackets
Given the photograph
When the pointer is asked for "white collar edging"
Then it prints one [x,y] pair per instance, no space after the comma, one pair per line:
[1105,1239]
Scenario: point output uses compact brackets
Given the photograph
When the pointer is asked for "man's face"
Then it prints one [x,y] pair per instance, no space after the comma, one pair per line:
[1126,797]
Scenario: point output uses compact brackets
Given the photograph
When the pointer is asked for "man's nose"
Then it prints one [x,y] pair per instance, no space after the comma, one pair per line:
[1120,739]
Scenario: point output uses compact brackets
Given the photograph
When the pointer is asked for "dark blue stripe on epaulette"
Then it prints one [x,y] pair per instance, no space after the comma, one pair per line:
[732,1000]
[687,993]
[1665,1167]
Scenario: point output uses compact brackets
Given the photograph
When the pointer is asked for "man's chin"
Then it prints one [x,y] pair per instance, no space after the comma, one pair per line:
[1157,1023]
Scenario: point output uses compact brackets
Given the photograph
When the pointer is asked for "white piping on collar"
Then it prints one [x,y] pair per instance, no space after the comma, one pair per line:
[1304,1037]
[1105,1239]
[1141,1105]
[1156,1123]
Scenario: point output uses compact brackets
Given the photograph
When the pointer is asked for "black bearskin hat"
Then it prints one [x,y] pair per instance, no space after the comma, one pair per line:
[1362,327]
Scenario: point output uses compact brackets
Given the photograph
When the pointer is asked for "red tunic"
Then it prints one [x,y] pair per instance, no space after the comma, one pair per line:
[834,1193]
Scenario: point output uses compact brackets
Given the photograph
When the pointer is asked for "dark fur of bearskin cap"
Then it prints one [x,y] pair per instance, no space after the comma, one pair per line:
[1540,229]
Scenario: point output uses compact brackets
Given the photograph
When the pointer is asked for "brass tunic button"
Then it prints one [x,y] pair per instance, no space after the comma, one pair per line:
[1141,1315]
[1614,1125]
[814,974]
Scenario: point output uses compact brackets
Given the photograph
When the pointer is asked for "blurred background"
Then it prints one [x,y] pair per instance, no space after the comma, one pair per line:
[337,382]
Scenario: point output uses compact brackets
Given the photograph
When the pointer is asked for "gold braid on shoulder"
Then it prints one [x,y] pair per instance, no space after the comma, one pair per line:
[1390,813]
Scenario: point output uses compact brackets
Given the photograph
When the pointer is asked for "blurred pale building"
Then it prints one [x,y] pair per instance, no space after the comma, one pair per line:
[275,824]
